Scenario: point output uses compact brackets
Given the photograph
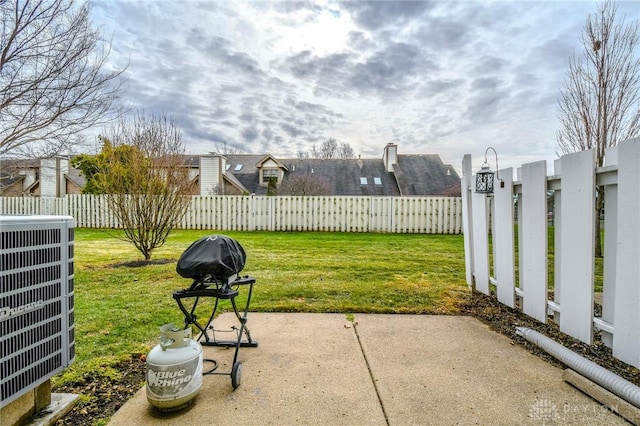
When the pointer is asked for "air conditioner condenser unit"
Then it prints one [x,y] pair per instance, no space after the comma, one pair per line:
[37,338]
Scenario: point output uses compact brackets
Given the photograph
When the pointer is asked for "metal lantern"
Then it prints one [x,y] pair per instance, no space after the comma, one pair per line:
[484,180]
[485,177]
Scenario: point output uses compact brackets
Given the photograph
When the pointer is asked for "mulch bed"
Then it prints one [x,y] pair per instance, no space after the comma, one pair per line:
[503,320]
[108,395]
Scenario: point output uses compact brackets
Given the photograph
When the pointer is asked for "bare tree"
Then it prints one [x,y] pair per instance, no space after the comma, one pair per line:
[307,184]
[146,183]
[345,151]
[227,148]
[328,149]
[600,103]
[54,82]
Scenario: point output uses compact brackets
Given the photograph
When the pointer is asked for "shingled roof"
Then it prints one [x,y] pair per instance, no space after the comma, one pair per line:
[391,175]
[348,177]
[412,174]
[425,175]
[244,168]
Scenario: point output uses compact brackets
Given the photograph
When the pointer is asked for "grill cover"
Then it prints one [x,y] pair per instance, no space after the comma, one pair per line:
[216,255]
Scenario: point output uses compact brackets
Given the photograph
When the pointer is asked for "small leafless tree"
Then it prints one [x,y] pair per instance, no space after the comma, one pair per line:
[147,185]
[306,184]
[54,78]
[227,148]
[328,149]
[345,151]
[600,103]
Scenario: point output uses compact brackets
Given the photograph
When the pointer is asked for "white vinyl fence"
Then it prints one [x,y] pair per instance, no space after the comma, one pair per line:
[419,215]
[523,282]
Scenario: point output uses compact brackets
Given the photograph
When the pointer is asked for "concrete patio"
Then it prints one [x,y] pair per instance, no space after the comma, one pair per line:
[321,369]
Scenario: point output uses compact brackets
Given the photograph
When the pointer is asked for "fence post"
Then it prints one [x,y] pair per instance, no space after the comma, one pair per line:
[467,214]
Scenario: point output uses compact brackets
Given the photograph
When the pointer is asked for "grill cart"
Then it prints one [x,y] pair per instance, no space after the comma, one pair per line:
[214,262]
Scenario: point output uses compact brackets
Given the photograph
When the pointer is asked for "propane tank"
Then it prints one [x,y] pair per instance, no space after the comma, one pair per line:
[174,369]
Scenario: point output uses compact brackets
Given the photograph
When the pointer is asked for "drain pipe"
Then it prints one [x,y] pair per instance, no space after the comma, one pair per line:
[605,378]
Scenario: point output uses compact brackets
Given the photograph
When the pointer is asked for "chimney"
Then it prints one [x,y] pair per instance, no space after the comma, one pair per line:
[212,167]
[390,156]
[49,177]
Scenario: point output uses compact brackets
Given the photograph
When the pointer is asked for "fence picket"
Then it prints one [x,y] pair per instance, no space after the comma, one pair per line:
[480,242]
[533,245]
[576,240]
[626,338]
[503,239]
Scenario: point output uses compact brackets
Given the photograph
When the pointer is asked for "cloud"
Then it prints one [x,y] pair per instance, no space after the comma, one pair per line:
[373,15]
[250,133]
[435,77]
[391,71]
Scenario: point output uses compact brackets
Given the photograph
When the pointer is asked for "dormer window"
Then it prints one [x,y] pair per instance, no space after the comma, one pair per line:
[270,169]
[269,173]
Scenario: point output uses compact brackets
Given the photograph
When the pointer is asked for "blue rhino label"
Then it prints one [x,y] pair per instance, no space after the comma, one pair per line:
[174,380]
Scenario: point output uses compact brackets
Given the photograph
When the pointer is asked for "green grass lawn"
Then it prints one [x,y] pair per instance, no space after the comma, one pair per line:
[119,309]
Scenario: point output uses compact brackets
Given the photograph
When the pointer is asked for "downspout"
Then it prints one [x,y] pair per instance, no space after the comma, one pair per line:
[605,378]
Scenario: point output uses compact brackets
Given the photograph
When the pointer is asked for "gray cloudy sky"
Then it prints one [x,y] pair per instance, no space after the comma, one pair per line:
[438,77]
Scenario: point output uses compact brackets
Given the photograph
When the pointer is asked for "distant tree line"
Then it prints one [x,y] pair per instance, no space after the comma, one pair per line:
[330,149]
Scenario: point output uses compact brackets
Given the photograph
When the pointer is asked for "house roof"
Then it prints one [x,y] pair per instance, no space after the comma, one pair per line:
[412,175]
[424,175]
[11,170]
[343,176]
[272,158]
[349,177]
[7,180]
[232,180]
[244,168]
[243,163]
[76,176]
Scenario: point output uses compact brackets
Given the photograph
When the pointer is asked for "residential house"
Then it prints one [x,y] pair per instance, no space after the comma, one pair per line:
[46,177]
[392,175]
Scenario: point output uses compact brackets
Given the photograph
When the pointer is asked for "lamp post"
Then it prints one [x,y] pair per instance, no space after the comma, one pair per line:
[485,177]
